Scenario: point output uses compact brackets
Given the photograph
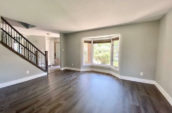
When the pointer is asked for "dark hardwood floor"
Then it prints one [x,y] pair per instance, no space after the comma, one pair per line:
[82,92]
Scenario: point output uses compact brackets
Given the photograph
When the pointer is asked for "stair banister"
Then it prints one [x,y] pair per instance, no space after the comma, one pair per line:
[17,43]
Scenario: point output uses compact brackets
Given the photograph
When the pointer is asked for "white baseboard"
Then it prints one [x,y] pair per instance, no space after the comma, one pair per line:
[134,79]
[124,77]
[62,69]
[147,81]
[102,71]
[70,68]
[10,83]
[164,93]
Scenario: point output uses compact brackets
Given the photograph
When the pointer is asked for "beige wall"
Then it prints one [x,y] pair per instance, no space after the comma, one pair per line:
[57,51]
[57,46]
[38,41]
[44,44]
[138,48]
[164,62]
[62,51]
[50,49]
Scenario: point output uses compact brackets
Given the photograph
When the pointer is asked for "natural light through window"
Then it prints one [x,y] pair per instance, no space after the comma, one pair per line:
[100,51]
[115,52]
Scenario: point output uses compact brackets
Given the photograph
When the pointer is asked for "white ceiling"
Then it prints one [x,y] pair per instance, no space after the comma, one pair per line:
[37,32]
[78,15]
[32,31]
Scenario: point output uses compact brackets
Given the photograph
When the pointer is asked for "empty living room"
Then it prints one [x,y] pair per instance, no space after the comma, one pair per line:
[85,56]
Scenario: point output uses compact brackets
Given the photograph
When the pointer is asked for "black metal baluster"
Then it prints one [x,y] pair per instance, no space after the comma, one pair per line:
[28,49]
[6,34]
[25,48]
[11,38]
[19,44]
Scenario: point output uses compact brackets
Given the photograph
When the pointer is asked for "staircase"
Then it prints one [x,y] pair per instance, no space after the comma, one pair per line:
[17,43]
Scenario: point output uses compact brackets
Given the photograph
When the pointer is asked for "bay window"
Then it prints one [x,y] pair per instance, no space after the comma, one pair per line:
[101,51]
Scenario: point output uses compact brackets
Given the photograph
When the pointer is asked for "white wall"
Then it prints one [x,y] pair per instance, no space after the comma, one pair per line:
[62,51]
[44,44]
[57,51]
[50,48]
[164,62]
[57,48]
[38,41]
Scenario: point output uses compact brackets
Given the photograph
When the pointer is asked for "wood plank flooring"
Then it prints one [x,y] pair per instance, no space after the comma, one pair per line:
[82,92]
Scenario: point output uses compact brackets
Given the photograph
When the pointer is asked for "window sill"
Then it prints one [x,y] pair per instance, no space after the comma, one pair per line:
[101,65]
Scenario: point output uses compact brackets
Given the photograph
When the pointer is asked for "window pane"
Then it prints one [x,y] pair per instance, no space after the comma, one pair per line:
[101,53]
[87,53]
[116,53]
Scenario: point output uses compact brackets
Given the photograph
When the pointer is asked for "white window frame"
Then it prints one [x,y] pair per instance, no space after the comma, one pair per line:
[92,51]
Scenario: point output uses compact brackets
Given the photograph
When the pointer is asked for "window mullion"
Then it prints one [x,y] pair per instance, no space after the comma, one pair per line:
[111,53]
[92,51]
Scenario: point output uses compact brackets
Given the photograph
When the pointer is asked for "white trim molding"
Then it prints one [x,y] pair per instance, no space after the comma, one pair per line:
[162,90]
[102,71]
[70,68]
[146,81]
[10,83]
[62,69]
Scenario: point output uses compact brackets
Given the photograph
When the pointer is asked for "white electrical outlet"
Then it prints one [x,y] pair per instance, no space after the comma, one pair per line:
[141,73]
[27,72]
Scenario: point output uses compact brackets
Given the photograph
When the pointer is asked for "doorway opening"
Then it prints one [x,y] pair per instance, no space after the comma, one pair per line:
[53,47]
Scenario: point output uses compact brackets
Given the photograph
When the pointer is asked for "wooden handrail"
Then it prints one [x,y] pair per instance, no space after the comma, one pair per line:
[10,37]
[16,40]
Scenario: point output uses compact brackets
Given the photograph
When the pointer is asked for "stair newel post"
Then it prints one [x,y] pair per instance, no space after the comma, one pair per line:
[36,57]
[46,60]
